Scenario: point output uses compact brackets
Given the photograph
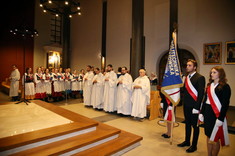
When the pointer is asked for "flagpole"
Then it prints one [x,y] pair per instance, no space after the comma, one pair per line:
[174,36]
[172,123]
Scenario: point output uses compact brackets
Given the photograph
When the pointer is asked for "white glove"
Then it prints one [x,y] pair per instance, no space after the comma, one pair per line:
[195,111]
[169,107]
[218,123]
[201,117]
[161,104]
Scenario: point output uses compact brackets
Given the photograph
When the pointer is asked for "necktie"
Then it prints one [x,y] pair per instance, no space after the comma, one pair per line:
[189,76]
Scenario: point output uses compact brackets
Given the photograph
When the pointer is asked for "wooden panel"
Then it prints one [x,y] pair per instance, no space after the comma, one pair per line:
[154,106]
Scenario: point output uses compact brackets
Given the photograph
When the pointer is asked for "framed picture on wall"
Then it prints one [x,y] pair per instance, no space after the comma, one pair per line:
[212,53]
[230,52]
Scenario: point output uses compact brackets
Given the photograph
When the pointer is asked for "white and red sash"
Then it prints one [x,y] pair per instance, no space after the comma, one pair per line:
[190,88]
[168,116]
[222,131]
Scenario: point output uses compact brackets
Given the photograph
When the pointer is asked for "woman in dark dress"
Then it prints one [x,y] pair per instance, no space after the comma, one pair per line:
[214,109]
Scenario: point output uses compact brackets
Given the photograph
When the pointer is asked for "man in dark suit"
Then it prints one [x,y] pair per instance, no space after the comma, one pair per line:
[193,95]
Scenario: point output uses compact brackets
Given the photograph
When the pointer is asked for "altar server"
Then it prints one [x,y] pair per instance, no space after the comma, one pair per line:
[14,86]
[140,96]
[87,86]
[110,87]
[97,90]
[124,92]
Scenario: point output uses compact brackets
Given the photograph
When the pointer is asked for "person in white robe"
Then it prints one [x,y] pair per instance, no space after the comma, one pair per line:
[97,90]
[39,78]
[141,95]
[28,85]
[124,92]
[110,88]
[87,86]
[14,86]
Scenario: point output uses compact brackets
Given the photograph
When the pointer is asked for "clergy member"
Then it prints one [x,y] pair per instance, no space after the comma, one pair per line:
[14,87]
[110,88]
[140,96]
[124,91]
[87,84]
[97,90]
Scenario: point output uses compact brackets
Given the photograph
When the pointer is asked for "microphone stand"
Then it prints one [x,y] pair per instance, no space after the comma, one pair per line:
[24,31]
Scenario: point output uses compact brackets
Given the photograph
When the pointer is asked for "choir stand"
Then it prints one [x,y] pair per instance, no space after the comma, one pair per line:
[24,32]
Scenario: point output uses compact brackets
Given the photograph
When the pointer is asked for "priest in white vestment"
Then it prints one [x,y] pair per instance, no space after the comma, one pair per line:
[87,84]
[110,87]
[141,95]
[97,90]
[124,92]
[14,86]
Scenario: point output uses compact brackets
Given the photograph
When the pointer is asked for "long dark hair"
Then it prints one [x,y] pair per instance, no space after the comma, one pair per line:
[222,76]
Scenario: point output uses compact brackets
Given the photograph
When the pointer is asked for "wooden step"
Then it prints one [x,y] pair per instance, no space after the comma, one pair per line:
[124,141]
[24,139]
[73,143]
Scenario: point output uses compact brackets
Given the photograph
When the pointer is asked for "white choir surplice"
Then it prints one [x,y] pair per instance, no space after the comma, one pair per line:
[47,83]
[38,79]
[124,92]
[140,97]
[87,88]
[80,83]
[14,88]
[110,88]
[56,82]
[61,82]
[29,85]
[67,81]
[75,83]
[97,91]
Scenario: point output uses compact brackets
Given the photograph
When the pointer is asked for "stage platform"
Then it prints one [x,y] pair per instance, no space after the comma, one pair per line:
[41,128]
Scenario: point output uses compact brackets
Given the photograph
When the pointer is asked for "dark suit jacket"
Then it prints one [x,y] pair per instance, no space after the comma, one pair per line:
[198,81]
[224,95]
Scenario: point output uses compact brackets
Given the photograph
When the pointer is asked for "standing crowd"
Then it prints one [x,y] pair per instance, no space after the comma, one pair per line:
[105,90]
[112,91]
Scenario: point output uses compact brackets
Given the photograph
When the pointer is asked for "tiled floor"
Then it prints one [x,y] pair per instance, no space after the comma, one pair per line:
[152,144]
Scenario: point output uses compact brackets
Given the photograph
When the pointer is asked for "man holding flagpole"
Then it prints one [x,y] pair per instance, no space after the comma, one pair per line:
[193,95]
[171,84]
